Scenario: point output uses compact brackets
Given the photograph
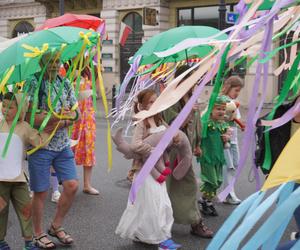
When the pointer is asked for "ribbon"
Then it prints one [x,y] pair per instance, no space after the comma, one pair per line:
[35,51]
[104,101]
[6,78]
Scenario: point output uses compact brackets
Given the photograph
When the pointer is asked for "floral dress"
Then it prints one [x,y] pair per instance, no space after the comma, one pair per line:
[85,129]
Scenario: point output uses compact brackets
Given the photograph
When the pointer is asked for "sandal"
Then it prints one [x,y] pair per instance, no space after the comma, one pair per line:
[54,232]
[42,244]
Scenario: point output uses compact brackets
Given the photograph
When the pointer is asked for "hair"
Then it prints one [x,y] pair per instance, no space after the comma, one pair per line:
[142,100]
[232,82]
[10,96]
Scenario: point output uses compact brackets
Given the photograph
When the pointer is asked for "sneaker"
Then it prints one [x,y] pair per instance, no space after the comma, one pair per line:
[294,236]
[55,196]
[4,245]
[231,200]
[201,230]
[31,246]
[168,245]
[207,208]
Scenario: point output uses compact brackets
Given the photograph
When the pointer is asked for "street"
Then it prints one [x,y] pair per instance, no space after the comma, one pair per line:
[92,219]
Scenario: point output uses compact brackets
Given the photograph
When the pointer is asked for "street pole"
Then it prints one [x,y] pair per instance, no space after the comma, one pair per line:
[222,14]
[61,7]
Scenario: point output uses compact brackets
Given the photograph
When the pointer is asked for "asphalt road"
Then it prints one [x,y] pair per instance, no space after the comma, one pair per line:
[92,219]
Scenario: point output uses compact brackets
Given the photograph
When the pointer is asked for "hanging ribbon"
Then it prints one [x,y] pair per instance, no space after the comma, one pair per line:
[6,78]
[104,101]
[85,37]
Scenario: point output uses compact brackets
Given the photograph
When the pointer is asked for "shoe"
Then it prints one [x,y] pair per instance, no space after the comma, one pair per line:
[208,208]
[202,231]
[168,245]
[91,191]
[4,245]
[294,236]
[55,196]
[231,200]
[31,246]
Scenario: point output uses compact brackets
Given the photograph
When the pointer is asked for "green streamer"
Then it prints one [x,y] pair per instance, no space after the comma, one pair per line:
[281,98]
[93,84]
[215,92]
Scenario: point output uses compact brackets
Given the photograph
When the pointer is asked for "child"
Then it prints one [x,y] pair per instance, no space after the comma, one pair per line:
[16,190]
[231,89]
[150,218]
[212,159]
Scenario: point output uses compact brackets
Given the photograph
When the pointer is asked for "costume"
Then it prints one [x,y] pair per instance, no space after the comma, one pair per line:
[150,218]
[212,159]
[183,193]
[16,189]
[85,128]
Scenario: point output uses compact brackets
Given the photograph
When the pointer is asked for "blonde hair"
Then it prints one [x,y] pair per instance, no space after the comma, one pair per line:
[232,82]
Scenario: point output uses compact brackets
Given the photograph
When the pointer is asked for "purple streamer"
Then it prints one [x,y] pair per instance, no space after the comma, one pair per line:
[169,134]
[131,72]
[289,115]
[252,115]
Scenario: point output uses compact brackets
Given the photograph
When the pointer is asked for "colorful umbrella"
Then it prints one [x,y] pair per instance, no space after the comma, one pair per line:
[170,38]
[23,56]
[80,21]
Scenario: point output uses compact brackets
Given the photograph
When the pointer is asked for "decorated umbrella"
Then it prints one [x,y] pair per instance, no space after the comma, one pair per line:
[170,38]
[68,19]
[22,57]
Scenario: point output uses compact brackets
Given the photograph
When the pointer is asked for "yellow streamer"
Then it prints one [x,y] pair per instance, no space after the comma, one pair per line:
[31,151]
[85,37]
[104,101]
[35,51]
[6,78]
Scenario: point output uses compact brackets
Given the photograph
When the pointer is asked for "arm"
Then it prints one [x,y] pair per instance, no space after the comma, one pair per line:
[137,144]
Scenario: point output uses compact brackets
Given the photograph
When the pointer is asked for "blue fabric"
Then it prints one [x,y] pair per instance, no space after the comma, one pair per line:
[274,240]
[231,222]
[278,217]
[237,237]
[297,211]
[39,164]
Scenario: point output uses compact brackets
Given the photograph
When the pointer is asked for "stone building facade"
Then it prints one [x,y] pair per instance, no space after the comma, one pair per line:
[18,16]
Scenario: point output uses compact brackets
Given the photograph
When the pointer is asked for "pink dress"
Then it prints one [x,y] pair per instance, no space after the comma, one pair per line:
[85,130]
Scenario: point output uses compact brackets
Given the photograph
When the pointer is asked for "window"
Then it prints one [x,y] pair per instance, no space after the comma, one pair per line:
[206,15]
[22,28]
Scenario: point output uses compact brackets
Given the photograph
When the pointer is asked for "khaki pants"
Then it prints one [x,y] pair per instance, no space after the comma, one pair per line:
[17,193]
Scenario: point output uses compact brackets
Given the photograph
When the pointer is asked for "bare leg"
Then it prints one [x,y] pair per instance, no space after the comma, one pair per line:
[65,202]
[38,202]
[87,186]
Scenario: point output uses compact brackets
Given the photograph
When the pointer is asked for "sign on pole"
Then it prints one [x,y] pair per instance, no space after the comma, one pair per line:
[232,17]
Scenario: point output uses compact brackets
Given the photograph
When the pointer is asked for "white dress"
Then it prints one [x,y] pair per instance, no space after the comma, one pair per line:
[150,218]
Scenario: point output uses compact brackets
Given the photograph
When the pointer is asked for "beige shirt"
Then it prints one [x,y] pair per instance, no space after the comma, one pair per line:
[28,135]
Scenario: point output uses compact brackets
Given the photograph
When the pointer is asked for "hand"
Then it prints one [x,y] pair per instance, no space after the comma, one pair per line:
[51,126]
[197,151]
[176,139]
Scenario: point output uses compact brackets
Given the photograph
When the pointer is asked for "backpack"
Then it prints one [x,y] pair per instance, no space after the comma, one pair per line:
[278,139]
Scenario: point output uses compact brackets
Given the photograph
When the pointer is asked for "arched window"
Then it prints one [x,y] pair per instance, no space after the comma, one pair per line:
[22,28]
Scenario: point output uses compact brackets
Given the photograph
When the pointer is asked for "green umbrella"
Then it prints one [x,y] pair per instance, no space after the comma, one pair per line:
[170,38]
[24,55]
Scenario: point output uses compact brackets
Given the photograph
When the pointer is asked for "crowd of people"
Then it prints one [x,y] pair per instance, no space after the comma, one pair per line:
[162,200]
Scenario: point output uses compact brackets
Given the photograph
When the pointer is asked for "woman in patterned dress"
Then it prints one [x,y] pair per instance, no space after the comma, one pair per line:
[85,132]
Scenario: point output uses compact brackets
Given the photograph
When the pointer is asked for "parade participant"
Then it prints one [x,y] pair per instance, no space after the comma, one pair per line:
[16,189]
[212,159]
[85,131]
[57,154]
[231,88]
[183,193]
[149,219]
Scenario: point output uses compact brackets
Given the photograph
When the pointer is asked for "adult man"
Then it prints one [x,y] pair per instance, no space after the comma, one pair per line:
[57,153]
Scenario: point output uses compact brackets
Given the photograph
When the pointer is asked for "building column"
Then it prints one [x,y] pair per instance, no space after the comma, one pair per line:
[110,48]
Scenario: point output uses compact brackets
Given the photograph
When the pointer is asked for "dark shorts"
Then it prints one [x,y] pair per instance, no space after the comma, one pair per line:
[39,164]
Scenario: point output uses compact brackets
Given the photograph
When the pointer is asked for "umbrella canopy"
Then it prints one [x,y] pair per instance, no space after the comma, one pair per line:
[170,38]
[8,42]
[68,19]
[26,60]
